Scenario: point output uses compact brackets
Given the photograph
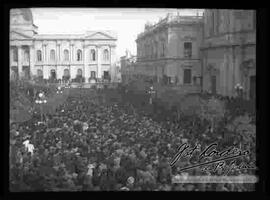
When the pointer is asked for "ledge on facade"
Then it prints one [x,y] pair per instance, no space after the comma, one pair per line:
[171,20]
[226,45]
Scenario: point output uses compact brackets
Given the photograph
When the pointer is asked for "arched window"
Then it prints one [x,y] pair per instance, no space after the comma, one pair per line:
[66,55]
[106,54]
[39,73]
[66,73]
[39,55]
[93,74]
[93,55]
[52,55]
[79,72]
[79,55]
[162,53]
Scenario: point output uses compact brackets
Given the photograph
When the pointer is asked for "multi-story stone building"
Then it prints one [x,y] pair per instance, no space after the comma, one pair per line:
[90,56]
[168,51]
[229,51]
[127,67]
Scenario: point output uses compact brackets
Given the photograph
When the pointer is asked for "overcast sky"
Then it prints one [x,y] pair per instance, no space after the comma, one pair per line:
[127,23]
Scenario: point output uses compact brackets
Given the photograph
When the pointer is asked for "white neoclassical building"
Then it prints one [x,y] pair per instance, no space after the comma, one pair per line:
[89,56]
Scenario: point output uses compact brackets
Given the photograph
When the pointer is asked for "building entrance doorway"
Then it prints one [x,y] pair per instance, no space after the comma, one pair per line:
[15,73]
[26,70]
[106,75]
[53,74]
[252,88]
[213,84]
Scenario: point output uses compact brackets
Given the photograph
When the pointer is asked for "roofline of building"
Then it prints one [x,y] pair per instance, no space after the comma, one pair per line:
[175,20]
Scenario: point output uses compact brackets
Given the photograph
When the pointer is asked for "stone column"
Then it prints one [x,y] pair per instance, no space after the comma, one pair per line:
[71,51]
[43,53]
[32,61]
[20,62]
[86,72]
[58,52]
[99,60]
[113,62]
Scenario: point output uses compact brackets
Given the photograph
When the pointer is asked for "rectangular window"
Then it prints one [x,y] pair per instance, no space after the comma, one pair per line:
[106,74]
[187,76]
[187,49]
[15,55]
[39,56]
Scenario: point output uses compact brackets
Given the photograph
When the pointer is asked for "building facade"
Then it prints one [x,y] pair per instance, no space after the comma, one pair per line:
[229,51]
[127,67]
[168,51]
[89,57]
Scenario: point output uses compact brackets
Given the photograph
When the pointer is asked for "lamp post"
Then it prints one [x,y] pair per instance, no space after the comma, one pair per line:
[151,92]
[59,90]
[239,90]
[41,100]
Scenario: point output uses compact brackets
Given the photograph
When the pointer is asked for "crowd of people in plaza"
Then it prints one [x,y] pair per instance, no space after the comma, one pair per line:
[87,145]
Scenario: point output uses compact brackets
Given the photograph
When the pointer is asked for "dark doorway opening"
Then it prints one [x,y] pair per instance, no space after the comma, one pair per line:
[53,74]
[252,89]
[213,84]
[26,70]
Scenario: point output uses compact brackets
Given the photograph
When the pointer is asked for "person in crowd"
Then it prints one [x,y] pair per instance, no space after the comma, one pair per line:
[90,145]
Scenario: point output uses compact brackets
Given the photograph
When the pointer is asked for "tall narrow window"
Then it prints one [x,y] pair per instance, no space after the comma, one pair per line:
[79,72]
[15,54]
[93,55]
[106,55]
[217,21]
[66,55]
[79,55]
[52,55]
[152,50]
[187,76]
[213,23]
[39,55]
[162,49]
[187,49]
[26,54]
[156,49]
[145,51]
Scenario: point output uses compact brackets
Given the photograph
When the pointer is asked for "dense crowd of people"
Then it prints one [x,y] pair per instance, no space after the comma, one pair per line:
[87,145]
